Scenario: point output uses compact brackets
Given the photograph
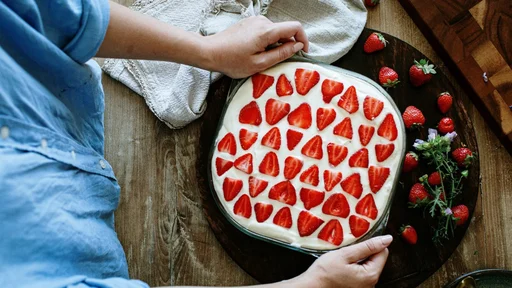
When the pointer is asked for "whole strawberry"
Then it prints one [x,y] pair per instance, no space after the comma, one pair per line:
[413,117]
[444,102]
[446,125]
[418,193]
[409,234]
[421,72]
[371,3]
[434,179]
[375,41]
[463,156]
[388,77]
[462,213]
[410,161]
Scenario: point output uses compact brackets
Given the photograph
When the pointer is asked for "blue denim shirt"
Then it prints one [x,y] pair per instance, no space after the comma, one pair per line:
[57,192]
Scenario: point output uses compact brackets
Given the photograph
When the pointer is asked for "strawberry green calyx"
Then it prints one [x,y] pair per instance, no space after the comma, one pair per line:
[391,84]
[425,67]
[381,38]
[375,2]
[403,227]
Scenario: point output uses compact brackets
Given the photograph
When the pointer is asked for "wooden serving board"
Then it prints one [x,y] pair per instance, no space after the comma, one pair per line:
[407,265]
[474,37]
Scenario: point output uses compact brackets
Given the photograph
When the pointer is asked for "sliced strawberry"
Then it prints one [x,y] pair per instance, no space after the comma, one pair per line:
[344,129]
[293,138]
[359,159]
[372,107]
[250,114]
[332,232]
[388,128]
[331,179]
[336,205]
[377,176]
[231,187]
[243,207]
[284,87]
[336,153]
[283,192]
[383,151]
[358,226]
[222,165]
[247,138]
[269,165]
[301,116]
[227,144]
[305,80]
[272,139]
[352,185]
[349,100]
[263,211]
[308,223]
[310,176]
[283,218]
[311,198]
[260,84]
[275,110]
[244,163]
[313,148]
[365,134]
[256,186]
[331,88]
[292,167]
[367,207]
[324,117]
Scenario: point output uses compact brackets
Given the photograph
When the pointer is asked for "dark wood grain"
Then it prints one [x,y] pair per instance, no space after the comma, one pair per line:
[474,37]
[407,266]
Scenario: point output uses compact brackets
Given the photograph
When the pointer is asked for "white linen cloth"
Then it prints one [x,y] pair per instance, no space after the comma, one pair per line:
[176,93]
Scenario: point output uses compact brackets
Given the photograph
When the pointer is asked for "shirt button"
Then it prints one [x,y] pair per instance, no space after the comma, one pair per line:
[4,132]
[102,164]
[44,144]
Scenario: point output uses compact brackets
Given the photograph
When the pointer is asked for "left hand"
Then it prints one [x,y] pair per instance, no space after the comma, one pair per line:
[240,50]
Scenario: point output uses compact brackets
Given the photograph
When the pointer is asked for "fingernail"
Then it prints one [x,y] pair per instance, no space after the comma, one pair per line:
[386,240]
[297,46]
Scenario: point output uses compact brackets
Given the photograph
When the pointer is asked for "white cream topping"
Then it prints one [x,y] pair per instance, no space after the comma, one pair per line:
[314,99]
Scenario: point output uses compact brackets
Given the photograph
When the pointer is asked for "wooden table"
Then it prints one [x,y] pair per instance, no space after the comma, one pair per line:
[160,222]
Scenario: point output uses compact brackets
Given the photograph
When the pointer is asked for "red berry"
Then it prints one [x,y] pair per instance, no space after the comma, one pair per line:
[446,125]
[409,234]
[388,77]
[410,161]
[462,213]
[375,41]
[413,117]
[434,179]
[421,72]
[418,193]
[444,102]
[463,156]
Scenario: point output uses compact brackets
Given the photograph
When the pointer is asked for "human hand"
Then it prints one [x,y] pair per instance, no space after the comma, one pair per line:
[240,50]
[358,265]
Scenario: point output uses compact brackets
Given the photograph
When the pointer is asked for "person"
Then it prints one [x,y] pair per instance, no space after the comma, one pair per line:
[58,193]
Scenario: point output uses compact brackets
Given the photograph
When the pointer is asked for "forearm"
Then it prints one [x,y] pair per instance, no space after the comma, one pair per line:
[132,35]
[297,282]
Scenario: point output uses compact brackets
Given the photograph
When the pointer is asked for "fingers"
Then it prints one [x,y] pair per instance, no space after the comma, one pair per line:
[271,57]
[377,261]
[288,29]
[367,248]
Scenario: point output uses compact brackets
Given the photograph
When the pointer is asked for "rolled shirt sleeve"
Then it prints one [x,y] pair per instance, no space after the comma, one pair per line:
[94,18]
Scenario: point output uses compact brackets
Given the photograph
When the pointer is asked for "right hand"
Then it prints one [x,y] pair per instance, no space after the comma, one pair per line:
[241,50]
[358,265]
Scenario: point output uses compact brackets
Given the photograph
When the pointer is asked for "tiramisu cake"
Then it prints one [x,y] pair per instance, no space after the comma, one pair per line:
[307,155]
